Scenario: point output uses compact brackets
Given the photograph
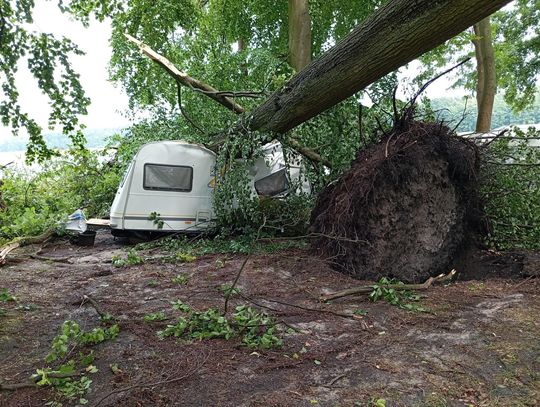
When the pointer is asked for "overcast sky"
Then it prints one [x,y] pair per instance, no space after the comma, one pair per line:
[108,102]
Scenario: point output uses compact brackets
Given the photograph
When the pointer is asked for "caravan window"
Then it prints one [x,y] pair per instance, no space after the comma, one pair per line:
[273,184]
[160,177]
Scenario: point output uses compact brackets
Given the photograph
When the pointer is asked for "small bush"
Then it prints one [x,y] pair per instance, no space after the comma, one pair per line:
[511,190]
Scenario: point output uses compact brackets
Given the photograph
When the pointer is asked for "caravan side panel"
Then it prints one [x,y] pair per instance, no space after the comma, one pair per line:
[173,180]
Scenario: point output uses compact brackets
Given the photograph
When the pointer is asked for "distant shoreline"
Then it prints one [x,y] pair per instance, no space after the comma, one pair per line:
[95,138]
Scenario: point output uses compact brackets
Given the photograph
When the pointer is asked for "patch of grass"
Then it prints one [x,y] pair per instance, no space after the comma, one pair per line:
[228,290]
[5,296]
[476,286]
[435,400]
[152,283]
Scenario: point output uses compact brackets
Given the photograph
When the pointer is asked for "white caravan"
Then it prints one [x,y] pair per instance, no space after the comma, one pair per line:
[176,179]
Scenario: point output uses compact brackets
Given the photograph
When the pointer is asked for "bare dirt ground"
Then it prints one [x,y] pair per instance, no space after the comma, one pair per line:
[479,345]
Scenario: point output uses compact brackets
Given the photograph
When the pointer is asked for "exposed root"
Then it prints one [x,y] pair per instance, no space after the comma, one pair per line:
[405,209]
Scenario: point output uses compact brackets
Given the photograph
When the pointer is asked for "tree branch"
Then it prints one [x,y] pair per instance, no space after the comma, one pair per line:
[369,288]
[220,97]
[184,78]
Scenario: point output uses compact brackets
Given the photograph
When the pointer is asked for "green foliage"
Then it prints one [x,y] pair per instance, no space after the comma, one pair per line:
[180,306]
[511,190]
[68,388]
[184,257]
[228,290]
[71,335]
[132,259]
[155,316]
[199,325]
[376,402]
[5,296]
[243,244]
[404,299]
[181,279]
[48,61]
[37,201]
[156,220]
[63,379]
[257,329]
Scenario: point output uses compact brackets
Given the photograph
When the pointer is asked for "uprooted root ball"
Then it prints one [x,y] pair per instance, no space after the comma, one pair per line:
[405,209]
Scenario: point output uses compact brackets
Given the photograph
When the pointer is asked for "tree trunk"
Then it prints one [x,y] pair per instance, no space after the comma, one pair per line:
[299,34]
[486,86]
[398,32]
[241,48]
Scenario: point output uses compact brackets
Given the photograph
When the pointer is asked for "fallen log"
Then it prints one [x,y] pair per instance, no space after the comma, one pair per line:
[23,241]
[367,289]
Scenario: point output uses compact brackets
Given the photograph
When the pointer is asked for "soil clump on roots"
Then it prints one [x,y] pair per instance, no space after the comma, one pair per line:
[405,209]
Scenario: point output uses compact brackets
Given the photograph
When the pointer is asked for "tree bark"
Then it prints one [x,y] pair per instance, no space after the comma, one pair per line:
[486,86]
[299,34]
[398,32]
[241,48]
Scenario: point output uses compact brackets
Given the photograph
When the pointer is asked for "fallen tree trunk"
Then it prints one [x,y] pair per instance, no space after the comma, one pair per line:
[394,35]
[398,32]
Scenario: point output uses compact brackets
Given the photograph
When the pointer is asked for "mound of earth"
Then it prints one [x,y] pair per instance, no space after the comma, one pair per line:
[405,208]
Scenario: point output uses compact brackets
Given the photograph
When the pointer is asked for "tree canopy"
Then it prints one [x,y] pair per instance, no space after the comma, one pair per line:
[47,58]
[516,41]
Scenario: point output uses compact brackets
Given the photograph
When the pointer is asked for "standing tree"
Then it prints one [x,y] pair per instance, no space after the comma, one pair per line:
[299,34]
[486,78]
[506,48]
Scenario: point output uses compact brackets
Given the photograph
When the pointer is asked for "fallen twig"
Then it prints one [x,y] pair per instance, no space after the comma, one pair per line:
[153,384]
[230,291]
[23,241]
[103,315]
[319,310]
[400,287]
[32,382]
[334,380]
[528,279]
